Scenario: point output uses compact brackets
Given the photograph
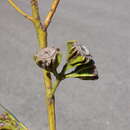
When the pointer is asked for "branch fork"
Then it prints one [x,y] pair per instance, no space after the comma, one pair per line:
[35,14]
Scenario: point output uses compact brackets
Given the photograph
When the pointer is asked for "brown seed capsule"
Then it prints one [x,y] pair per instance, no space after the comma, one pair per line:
[46,58]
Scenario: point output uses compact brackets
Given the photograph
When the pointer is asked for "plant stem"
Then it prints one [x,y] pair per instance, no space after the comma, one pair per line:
[12,3]
[56,84]
[51,12]
[42,39]
[41,31]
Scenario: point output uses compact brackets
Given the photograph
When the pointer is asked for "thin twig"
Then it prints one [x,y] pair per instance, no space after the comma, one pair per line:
[55,86]
[35,9]
[51,13]
[13,4]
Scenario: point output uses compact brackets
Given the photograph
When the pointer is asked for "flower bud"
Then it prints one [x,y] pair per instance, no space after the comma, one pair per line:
[47,58]
[79,50]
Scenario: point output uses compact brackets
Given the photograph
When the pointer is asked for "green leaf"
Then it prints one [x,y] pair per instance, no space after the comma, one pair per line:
[70,45]
[86,72]
[59,59]
[79,60]
[70,52]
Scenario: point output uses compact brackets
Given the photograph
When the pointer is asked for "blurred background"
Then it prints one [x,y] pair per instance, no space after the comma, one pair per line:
[104,27]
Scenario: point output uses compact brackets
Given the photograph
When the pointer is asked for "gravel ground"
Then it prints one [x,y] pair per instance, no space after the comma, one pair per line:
[103,26]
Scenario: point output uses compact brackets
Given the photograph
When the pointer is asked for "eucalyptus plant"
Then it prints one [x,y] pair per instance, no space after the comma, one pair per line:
[79,62]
